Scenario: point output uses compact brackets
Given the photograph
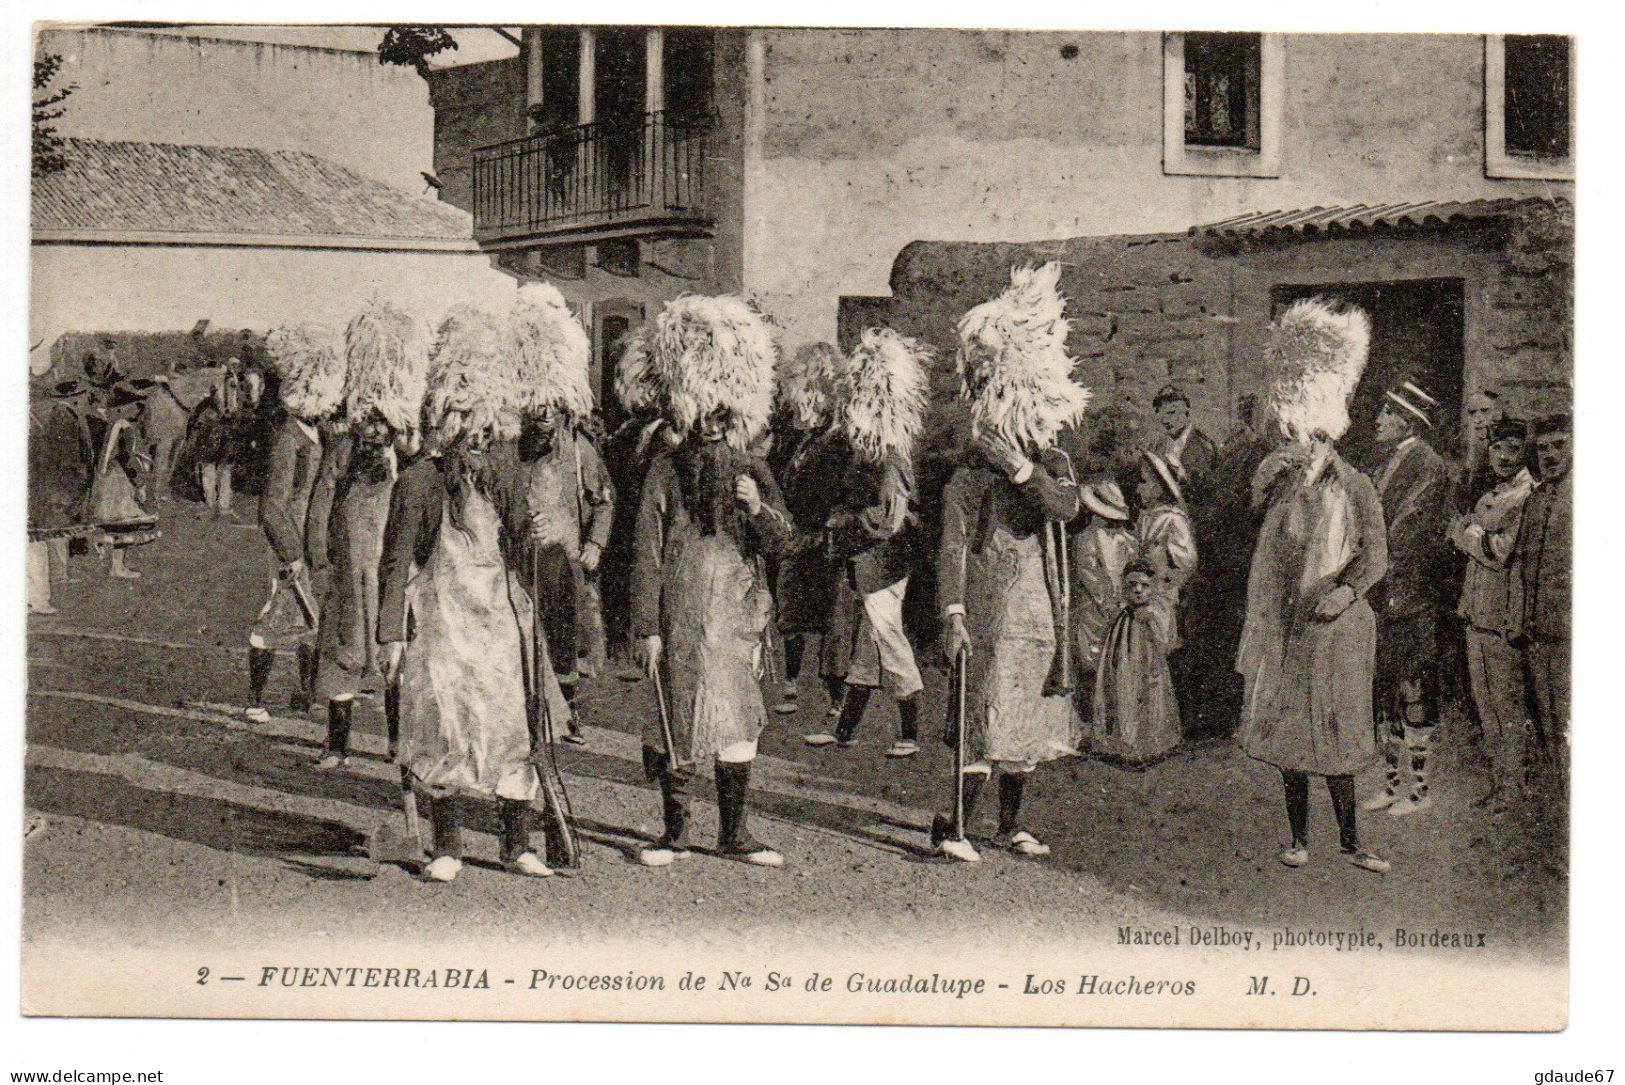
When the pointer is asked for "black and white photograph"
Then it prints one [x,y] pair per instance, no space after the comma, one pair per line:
[571,522]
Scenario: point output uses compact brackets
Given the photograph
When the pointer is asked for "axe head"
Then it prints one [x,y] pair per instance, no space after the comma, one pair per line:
[389,843]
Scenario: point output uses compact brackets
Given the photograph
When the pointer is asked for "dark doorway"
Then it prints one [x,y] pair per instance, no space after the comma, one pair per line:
[1417,329]
[615,323]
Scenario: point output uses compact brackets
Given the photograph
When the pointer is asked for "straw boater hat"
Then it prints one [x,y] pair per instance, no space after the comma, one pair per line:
[1313,359]
[308,360]
[1104,499]
[470,370]
[552,352]
[807,383]
[1410,399]
[1013,364]
[883,395]
[707,353]
[387,366]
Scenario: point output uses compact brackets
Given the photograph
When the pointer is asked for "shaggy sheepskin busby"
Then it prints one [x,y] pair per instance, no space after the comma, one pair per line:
[308,360]
[635,383]
[552,353]
[1313,361]
[387,356]
[1013,364]
[707,353]
[883,395]
[471,371]
[807,384]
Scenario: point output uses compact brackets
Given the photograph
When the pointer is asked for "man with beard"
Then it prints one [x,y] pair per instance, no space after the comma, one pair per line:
[568,490]
[708,512]
[387,364]
[450,617]
[999,576]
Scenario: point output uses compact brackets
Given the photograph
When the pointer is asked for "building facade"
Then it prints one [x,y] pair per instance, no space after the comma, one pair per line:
[893,174]
[244,183]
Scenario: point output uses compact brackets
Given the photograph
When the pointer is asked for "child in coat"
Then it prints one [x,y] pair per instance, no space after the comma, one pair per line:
[1136,718]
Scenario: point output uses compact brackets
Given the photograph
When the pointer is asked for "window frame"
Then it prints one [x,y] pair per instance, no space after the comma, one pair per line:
[1183,159]
[1498,164]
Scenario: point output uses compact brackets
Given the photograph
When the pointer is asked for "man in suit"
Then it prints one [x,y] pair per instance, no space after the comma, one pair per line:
[1414,487]
[1185,448]
[1542,584]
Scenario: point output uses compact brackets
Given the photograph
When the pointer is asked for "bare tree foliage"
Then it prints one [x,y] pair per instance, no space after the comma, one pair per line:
[48,157]
[412,46]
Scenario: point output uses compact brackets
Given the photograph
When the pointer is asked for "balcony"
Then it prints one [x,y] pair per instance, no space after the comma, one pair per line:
[645,175]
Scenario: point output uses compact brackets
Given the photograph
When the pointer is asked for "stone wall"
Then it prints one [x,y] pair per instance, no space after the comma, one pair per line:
[1151,309]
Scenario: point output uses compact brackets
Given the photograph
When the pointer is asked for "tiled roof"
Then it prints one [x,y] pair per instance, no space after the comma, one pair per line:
[166,191]
[1358,218]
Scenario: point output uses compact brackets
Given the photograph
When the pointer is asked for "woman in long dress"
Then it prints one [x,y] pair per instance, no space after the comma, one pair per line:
[1308,648]
[449,617]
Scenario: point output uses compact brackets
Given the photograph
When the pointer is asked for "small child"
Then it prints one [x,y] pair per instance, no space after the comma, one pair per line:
[1136,718]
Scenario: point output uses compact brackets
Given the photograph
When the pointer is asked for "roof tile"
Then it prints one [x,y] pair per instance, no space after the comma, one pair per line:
[173,188]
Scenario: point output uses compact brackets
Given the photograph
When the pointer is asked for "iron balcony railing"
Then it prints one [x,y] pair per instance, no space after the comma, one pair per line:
[606,178]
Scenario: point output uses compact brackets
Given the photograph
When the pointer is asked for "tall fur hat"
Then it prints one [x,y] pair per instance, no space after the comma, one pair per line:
[387,356]
[309,362]
[635,383]
[552,353]
[882,395]
[711,352]
[470,370]
[807,384]
[1313,360]
[1013,364]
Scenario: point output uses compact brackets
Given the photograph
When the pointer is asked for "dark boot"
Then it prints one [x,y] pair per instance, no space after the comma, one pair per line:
[1011,835]
[302,698]
[448,829]
[1295,788]
[970,786]
[259,673]
[733,838]
[338,734]
[1343,805]
[446,855]
[1342,792]
[392,717]
[1011,786]
[852,709]
[795,646]
[573,733]
[517,854]
[908,718]
[674,809]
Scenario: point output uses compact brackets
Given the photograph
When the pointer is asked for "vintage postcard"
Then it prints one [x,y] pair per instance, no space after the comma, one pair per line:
[731,524]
